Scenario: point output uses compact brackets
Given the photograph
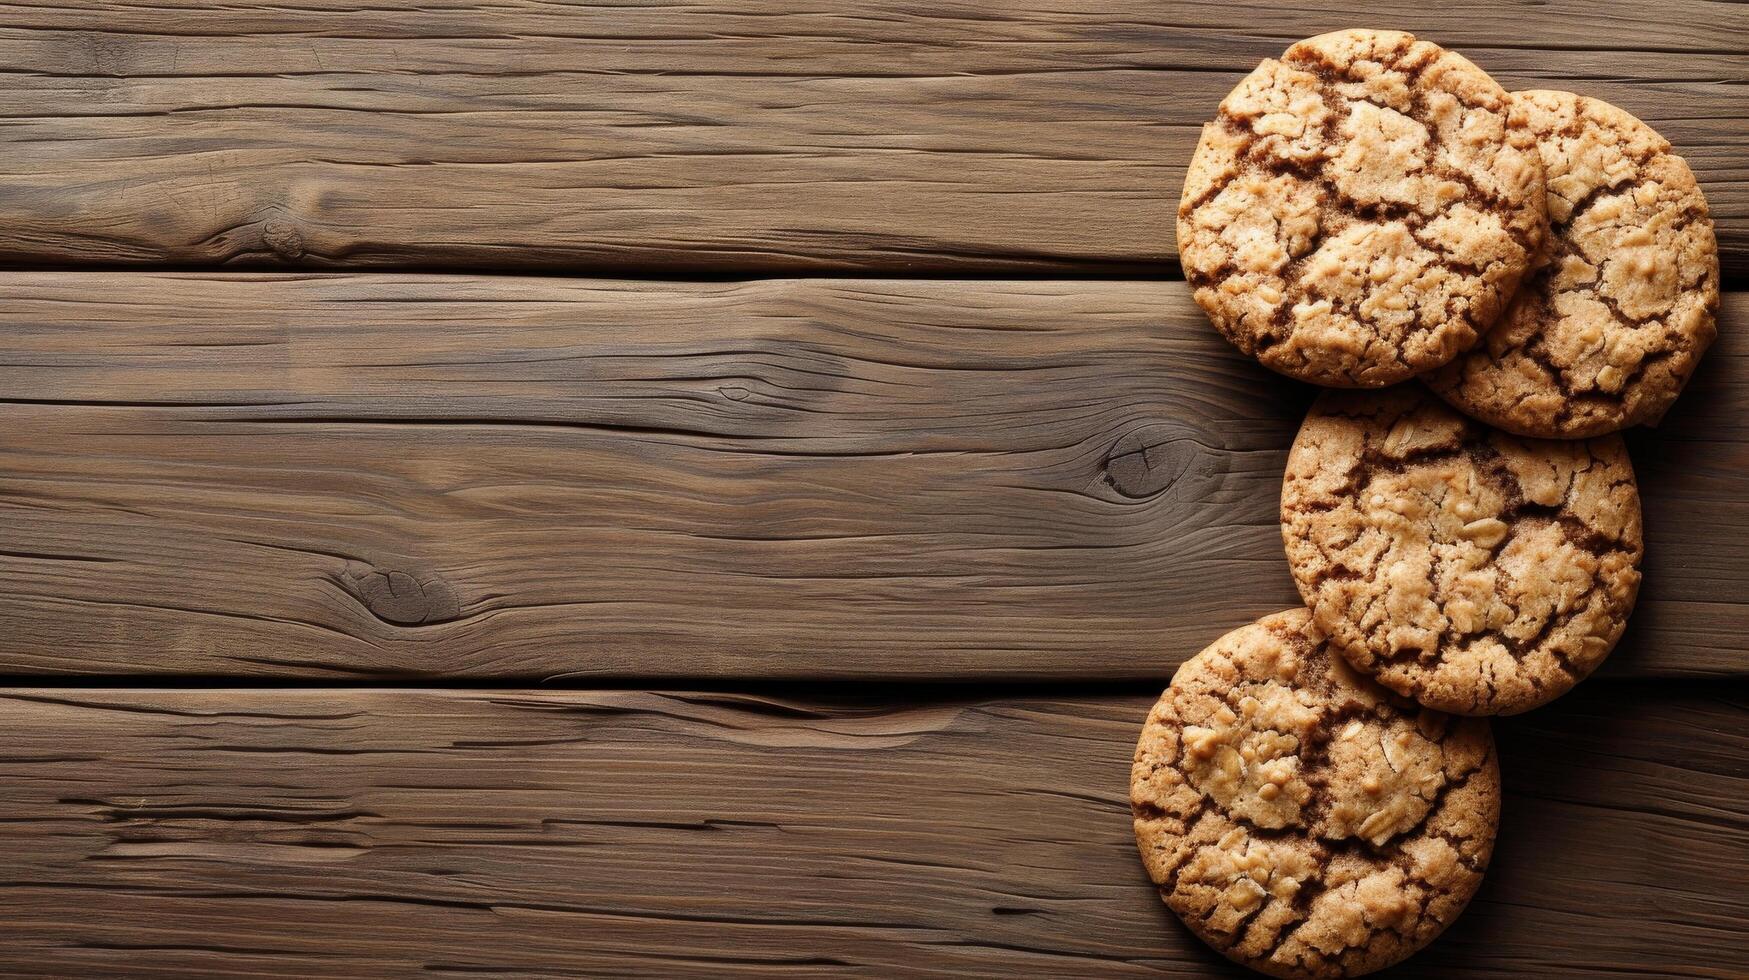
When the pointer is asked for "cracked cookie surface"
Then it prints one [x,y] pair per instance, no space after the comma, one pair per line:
[1475,571]
[1361,210]
[1605,335]
[1303,820]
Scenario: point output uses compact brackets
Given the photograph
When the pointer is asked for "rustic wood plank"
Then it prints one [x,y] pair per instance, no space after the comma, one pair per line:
[382,833]
[756,136]
[441,476]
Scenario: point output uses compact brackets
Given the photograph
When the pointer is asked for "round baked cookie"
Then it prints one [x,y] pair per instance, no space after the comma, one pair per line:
[1472,570]
[1361,210]
[1606,334]
[1303,820]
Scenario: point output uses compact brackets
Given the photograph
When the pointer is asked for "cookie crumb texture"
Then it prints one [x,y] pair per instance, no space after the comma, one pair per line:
[1606,334]
[1303,820]
[1361,210]
[1469,569]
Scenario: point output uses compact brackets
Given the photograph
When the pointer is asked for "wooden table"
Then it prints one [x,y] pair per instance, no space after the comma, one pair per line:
[712,488]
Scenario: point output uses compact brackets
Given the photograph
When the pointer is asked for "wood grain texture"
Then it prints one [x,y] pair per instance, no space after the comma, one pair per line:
[367,475]
[755,136]
[374,834]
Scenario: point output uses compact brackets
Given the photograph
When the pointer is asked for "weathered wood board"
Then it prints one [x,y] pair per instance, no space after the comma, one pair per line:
[755,136]
[394,833]
[346,476]
[280,480]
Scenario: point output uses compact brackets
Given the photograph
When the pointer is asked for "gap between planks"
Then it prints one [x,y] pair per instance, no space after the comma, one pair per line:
[1732,281]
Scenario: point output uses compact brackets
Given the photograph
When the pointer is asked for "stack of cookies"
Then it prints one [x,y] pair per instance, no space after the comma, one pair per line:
[1523,275]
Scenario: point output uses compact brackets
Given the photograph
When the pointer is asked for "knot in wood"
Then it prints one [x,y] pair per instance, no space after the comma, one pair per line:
[403,599]
[1147,460]
[281,235]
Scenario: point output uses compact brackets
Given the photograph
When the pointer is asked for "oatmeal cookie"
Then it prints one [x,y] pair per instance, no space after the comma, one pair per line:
[1605,335]
[1472,570]
[1303,820]
[1361,210]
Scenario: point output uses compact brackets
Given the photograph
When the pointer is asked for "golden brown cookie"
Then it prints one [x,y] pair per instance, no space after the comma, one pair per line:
[1477,572]
[1605,335]
[1303,820]
[1361,210]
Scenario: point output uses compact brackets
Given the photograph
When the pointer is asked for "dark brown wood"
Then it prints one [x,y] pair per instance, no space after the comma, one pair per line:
[349,476]
[373,834]
[868,134]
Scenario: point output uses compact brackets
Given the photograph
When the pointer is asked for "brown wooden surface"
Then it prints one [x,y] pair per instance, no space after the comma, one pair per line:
[372,834]
[1044,485]
[439,476]
[729,135]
